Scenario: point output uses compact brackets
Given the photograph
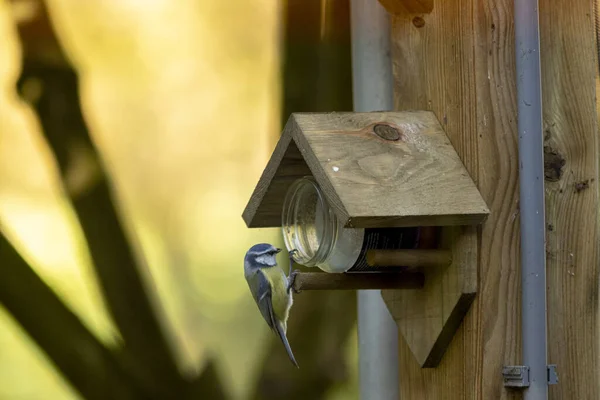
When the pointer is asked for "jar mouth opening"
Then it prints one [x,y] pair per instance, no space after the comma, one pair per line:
[308,223]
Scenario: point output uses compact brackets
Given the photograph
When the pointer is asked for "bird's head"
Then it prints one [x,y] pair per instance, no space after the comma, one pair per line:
[262,255]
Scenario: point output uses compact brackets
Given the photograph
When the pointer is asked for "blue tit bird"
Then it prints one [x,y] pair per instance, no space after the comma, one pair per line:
[271,289]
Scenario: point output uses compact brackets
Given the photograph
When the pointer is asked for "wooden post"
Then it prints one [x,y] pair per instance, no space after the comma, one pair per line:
[458,62]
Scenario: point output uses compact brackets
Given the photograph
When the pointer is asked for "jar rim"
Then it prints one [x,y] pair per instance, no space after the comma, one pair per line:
[293,232]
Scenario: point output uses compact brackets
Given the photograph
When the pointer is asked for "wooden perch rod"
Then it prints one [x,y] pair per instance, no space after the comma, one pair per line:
[409,258]
[358,281]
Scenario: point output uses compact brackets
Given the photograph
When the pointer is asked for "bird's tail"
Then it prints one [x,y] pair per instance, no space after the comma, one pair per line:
[283,337]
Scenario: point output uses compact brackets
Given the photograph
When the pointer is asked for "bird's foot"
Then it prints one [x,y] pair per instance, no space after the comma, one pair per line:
[291,254]
[291,281]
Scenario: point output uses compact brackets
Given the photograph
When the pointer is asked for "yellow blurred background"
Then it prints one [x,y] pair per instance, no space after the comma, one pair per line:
[182,99]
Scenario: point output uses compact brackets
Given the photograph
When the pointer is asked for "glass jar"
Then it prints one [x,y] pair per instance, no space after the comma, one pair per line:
[311,227]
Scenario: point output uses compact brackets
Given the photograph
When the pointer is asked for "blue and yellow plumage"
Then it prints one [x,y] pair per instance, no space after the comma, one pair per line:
[270,288]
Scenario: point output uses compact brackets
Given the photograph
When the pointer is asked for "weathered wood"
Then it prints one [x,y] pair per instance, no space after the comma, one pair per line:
[409,258]
[569,71]
[459,63]
[428,318]
[358,281]
[385,169]
[416,180]
[435,68]
[285,166]
[395,7]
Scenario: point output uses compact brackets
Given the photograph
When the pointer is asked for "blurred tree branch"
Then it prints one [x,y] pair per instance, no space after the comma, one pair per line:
[207,385]
[146,353]
[317,77]
[60,333]
[117,269]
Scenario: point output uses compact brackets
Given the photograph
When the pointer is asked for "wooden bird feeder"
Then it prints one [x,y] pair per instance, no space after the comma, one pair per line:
[387,170]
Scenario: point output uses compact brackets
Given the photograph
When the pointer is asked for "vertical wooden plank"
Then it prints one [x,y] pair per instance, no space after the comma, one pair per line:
[499,299]
[569,65]
[433,69]
[458,61]
[460,64]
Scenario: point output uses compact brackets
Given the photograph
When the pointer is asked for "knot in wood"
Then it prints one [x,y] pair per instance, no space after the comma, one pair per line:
[386,132]
[553,164]
[418,22]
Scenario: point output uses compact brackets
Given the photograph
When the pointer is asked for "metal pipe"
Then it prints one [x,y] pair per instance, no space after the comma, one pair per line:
[373,91]
[531,178]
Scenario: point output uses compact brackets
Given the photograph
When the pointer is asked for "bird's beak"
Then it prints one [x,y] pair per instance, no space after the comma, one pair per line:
[277,250]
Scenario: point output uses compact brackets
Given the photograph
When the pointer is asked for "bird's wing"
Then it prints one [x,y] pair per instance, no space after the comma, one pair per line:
[261,291]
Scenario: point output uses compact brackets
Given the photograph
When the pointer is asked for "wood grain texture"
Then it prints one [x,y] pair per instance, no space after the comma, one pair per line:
[499,306]
[409,258]
[407,6]
[428,318]
[417,180]
[284,167]
[569,70]
[358,281]
[460,64]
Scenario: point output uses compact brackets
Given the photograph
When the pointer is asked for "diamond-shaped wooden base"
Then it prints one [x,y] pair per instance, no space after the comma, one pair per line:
[429,317]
